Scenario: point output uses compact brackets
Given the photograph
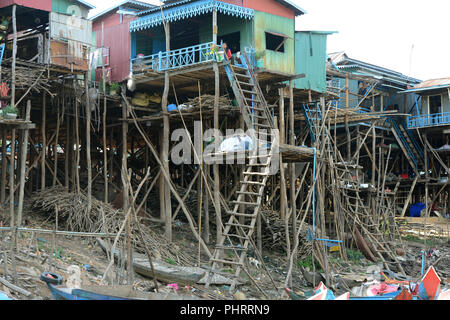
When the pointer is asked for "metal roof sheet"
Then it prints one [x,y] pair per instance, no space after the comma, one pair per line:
[167,4]
[128,3]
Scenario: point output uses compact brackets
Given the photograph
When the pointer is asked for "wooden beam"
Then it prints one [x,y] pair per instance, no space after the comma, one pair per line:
[23,160]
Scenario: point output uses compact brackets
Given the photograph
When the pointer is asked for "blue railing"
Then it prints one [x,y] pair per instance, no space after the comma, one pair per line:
[406,145]
[429,120]
[174,59]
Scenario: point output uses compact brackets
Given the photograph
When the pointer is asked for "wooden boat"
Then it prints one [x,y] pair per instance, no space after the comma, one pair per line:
[430,286]
[60,292]
[169,273]
[164,272]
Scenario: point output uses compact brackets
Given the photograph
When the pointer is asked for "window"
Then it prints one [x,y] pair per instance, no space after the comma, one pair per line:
[435,104]
[275,42]
[103,58]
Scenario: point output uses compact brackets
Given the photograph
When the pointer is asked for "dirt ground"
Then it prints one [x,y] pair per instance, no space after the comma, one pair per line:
[37,253]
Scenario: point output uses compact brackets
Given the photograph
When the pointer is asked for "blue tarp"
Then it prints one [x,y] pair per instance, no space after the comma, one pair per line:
[415,209]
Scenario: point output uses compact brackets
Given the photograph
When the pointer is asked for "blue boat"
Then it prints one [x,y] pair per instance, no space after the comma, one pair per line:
[59,292]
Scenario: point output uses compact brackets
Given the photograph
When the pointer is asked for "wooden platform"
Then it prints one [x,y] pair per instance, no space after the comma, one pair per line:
[289,154]
[339,115]
[17,124]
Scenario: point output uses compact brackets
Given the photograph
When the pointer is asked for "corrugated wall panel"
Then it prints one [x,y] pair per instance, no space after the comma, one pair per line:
[311,62]
[118,39]
[45,5]
[275,61]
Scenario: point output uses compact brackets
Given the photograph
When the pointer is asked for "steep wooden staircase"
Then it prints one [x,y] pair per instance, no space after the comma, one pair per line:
[240,226]
[408,144]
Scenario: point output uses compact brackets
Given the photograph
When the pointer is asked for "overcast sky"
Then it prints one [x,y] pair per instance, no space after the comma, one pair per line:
[408,36]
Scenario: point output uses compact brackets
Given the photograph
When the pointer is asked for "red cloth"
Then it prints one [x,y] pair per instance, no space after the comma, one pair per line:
[382,288]
[228,52]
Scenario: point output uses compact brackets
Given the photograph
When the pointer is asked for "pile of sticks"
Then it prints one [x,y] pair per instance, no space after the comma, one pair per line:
[72,210]
[28,77]
[73,215]
[274,234]
[207,101]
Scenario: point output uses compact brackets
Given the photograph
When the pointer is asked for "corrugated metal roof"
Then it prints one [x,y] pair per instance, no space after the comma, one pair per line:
[128,4]
[84,3]
[433,83]
[172,3]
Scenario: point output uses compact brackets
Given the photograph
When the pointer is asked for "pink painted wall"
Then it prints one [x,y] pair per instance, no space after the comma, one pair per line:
[268,6]
[45,5]
[118,39]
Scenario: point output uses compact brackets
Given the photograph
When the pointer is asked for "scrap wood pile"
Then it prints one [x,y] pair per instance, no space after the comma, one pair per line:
[73,216]
[274,234]
[72,209]
[434,228]
[27,76]
[207,102]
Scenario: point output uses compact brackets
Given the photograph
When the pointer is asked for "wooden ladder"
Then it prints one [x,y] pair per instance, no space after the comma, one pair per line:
[240,226]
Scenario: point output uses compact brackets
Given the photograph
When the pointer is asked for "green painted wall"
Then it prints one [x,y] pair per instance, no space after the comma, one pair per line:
[312,64]
[275,61]
[69,7]
[226,25]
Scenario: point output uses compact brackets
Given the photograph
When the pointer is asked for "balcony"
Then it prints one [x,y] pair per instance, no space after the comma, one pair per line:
[429,120]
[173,59]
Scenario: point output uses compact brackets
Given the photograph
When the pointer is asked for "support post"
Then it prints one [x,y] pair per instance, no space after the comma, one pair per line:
[44,140]
[216,172]
[4,167]
[165,146]
[23,165]
[88,143]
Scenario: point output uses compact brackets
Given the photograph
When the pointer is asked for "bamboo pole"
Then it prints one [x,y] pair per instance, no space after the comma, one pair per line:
[77,146]
[165,144]
[105,151]
[14,54]
[67,154]
[292,165]
[44,142]
[126,191]
[88,143]
[23,160]
[4,167]
[216,172]
[55,146]
[11,176]
[282,135]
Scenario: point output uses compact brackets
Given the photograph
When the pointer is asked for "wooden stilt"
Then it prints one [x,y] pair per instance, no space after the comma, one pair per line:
[165,146]
[23,160]
[44,141]
[216,172]
[4,167]
[88,143]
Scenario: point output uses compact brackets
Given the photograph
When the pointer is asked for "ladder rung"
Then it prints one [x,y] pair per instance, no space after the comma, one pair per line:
[246,91]
[248,193]
[250,99]
[246,83]
[235,236]
[224,247]
[244,202]
[256,173]
[253,182]
[259,165]
[246,215]
[258,157]
[243,75]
